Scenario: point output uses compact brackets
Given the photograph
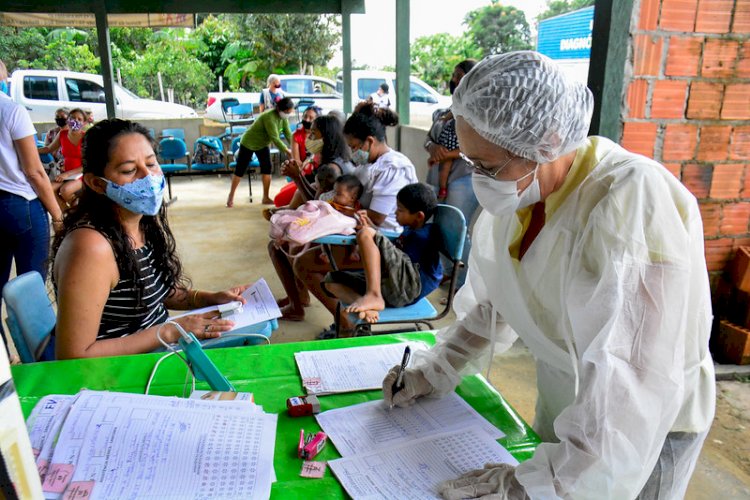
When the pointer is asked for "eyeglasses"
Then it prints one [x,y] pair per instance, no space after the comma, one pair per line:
[481,169]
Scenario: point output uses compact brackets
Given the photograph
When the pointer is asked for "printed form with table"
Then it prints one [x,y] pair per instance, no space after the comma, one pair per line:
[107,444]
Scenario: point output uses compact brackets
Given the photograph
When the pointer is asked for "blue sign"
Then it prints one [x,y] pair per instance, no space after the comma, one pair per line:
[567,36]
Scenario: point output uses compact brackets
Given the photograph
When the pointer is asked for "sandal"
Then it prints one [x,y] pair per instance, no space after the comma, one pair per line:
[442,194]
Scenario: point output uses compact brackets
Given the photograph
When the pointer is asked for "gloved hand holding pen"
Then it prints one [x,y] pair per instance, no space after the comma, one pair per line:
[414,384]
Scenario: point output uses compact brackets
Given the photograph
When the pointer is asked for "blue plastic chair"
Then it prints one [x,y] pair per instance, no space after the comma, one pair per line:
[450,223]
[236,113]
[171,150]
[45,158]
[174,133]
[31,316]
[213,143]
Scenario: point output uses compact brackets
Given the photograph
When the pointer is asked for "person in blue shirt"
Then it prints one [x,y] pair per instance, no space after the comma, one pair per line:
[398,273]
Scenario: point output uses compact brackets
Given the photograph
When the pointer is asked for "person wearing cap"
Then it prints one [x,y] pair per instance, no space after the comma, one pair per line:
[593,256]
[380,97]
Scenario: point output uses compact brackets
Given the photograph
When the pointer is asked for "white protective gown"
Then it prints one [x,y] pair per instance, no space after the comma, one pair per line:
[613,300]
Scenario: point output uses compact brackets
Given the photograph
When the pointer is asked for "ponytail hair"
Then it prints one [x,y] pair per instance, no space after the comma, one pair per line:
[367,120]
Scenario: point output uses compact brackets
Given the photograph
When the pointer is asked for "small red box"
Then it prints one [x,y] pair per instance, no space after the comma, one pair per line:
[734,343]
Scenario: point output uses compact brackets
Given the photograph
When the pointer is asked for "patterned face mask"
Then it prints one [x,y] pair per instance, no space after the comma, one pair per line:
[143,196]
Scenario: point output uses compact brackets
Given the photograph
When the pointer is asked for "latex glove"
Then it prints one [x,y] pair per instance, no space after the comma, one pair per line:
[495,481]
[415,385]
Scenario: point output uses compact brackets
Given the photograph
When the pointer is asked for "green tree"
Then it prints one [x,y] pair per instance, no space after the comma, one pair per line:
[557,7]
[21,44]
[272,43]
[66,49]
[496,29]
[173,54]
[215,34]
[433,57]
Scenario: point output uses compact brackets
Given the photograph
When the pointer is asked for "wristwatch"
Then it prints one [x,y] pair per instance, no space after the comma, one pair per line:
[428,144]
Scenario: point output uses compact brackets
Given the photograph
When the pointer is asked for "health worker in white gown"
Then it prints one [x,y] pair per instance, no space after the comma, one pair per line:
[593,256]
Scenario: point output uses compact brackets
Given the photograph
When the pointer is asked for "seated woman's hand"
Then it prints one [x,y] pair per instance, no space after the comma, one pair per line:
[291,168]
[231,295]
[203,326]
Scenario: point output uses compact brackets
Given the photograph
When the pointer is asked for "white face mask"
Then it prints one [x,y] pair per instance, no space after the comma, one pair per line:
[284,115]
[502,197]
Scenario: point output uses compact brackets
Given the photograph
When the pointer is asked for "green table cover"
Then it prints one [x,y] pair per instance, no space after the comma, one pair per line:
[270,373]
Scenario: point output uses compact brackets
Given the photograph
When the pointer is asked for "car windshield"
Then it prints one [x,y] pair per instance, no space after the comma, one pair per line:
[126,91]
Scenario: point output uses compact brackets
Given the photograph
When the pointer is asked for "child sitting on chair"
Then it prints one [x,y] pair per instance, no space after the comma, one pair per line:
[345,199]
[395,274]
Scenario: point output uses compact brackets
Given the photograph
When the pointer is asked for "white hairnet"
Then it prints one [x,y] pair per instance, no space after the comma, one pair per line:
[522,102]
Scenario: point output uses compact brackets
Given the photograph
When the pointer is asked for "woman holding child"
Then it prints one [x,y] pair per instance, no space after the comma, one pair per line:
[382,172]
[115,268]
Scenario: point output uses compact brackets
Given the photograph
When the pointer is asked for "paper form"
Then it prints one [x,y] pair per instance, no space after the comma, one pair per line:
[350,369]
[261,306]
[139,446]
[414,469]
[373,425]
[44,425]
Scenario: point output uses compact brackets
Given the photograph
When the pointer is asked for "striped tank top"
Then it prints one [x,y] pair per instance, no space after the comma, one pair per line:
[122,315]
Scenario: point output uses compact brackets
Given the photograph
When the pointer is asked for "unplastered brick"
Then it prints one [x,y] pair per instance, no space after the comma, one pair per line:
[718,253]
[647,55]
[714,16]
[711,216]
[668,100]
[734,219]
[705,100]
[736,102]
[739,149]
[679,142]
[678,15]
[637,95]
[726,181]
[741,22]
[719,58]
[639,137]
[683,56]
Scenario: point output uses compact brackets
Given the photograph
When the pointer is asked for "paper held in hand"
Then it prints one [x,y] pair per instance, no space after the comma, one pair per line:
[261,306]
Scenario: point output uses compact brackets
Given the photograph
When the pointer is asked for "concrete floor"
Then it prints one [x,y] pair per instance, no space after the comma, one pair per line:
[221,247]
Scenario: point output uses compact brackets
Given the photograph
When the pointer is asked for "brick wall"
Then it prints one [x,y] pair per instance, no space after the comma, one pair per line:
[687,104]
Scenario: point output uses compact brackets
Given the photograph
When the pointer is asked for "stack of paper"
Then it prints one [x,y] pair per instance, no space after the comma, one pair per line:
[116,445]
[407,452]
[351,369]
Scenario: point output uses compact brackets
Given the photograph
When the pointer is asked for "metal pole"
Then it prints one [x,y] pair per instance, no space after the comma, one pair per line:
[403,61]
[105,55]
[346,51]
[161,85]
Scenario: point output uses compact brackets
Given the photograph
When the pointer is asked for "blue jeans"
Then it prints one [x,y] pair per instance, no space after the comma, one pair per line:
[461,195]
[24,232]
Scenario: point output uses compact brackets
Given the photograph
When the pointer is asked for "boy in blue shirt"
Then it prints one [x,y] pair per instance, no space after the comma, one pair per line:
[397,273]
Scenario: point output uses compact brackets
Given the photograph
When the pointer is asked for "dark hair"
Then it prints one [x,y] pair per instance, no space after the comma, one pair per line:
[97,211]
[384,87]
[369,121]
[327,174]
[334,143]
[418,197]
[352,183]
[466,65]
[285,103]
[316,109]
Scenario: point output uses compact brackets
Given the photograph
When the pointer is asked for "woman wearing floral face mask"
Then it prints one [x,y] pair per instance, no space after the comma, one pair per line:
[68,184]
[255,141]
[115,269]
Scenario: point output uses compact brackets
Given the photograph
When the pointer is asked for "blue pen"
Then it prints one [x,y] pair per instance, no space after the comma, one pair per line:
[399,383]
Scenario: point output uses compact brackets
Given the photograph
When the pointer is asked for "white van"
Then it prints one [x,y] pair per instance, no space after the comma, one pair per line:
[43,91]
[423,98]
